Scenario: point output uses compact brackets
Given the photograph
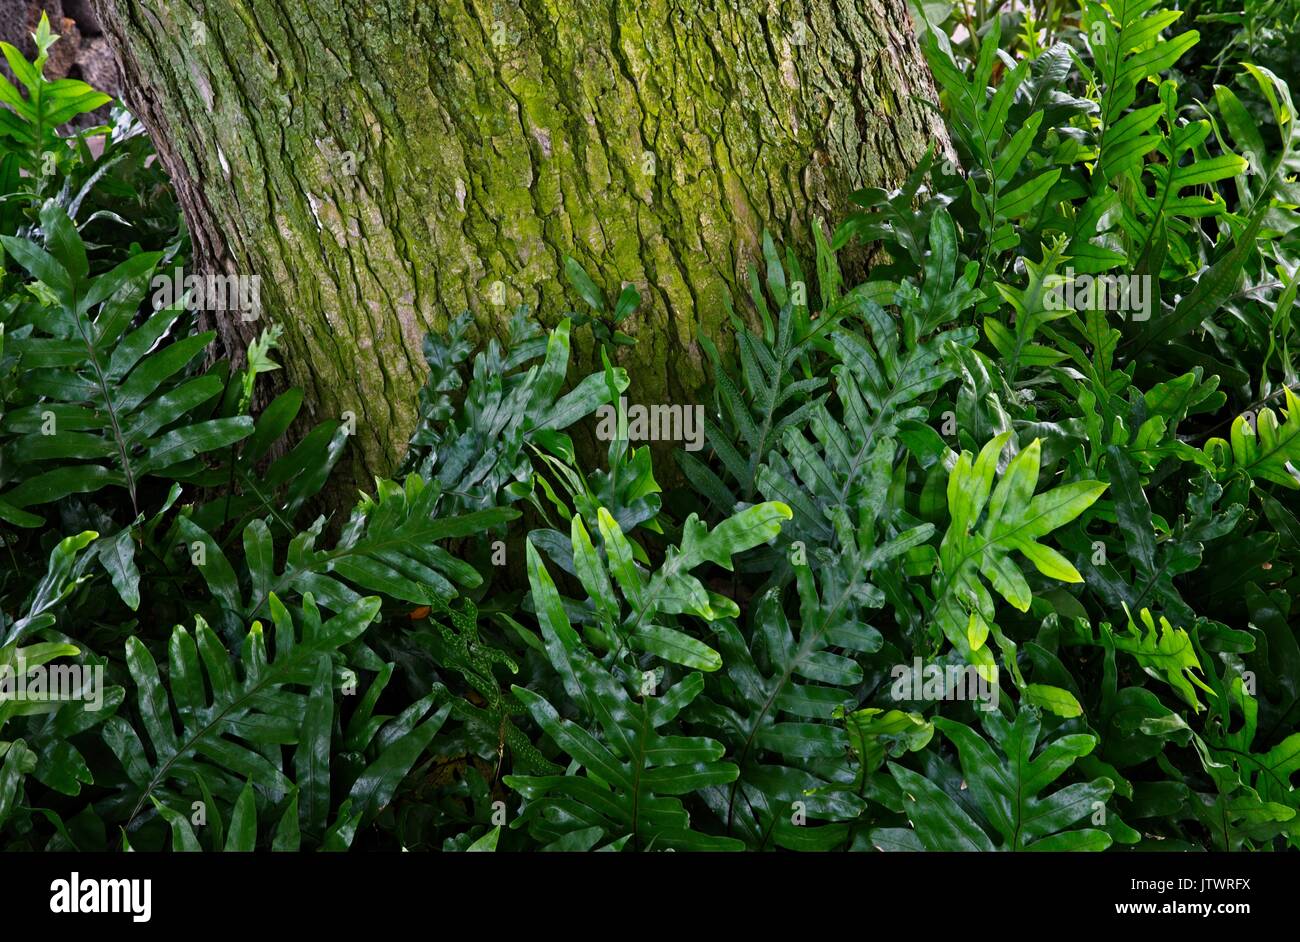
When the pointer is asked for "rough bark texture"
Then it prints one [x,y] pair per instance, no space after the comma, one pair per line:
[382,163]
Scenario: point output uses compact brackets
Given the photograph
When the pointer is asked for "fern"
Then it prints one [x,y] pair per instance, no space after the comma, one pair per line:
[38,741]
[478,454]
[776,704]
[253,482]
[893,218]
[1144,557]
[1248,797]
[1003,186]
[1016,519]
[987,526]
[1268,773]
[94,394]
[836,472]
[603,323]
[1000,796]
[1262,449]
[388,545]
[1163,217]
[1033,309]
[654,600]
[1167,654]
[1272,173]
[455,644]
[210,738]
[242,835]
[1127,49]
[627,488]
[775,391]
[634,772]
[875,733]
[628,798]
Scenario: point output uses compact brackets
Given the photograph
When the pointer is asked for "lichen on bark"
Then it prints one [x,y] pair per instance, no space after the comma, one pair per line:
[386,164]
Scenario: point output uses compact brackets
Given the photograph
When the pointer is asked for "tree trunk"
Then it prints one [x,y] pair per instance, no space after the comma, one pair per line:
[383,164]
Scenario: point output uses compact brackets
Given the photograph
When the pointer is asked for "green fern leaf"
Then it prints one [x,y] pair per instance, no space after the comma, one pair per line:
[999,792]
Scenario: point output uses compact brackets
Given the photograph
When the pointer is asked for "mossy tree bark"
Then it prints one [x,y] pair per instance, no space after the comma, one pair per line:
[382,164]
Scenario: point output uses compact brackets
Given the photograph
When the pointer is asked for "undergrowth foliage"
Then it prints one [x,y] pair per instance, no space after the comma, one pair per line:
[995,550]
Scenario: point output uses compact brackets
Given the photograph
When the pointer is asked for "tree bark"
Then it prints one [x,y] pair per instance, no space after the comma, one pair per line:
[382,164]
